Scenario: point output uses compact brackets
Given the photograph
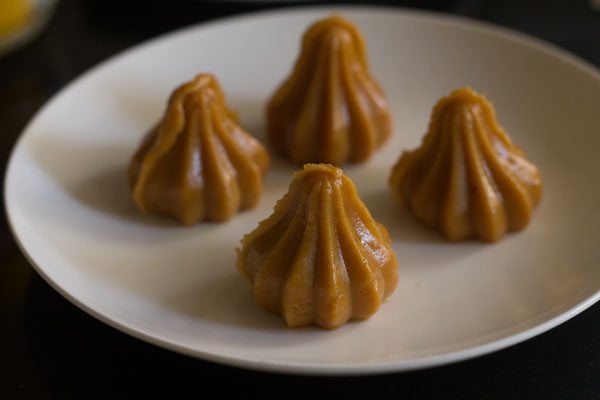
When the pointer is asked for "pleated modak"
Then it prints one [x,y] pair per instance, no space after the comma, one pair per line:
[198,163]
[320,258]
[330,109]
[467,179]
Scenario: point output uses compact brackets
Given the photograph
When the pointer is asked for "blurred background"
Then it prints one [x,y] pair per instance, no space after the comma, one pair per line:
[49,349]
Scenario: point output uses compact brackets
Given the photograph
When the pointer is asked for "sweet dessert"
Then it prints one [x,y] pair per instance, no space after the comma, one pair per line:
[330,109]
[320,258]
[198,163]
[467,179]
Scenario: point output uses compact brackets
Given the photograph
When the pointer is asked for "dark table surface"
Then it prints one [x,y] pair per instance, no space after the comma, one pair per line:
[51,349]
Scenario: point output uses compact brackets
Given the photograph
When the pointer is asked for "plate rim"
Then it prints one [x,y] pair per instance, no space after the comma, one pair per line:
[309,368]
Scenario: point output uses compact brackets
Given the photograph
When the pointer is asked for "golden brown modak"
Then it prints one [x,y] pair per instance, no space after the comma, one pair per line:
[320,258]
[467,179]
[198,163]
[330,109]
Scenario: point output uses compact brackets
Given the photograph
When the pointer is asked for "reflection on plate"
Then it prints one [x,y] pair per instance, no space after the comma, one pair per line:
[69,207]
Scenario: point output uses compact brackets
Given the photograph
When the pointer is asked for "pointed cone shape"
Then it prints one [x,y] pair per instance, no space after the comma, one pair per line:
[320,258]
[198,163]
[330,109]
[467,179]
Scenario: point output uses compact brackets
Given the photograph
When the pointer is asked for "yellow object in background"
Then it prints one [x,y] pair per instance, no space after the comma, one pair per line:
[13,15]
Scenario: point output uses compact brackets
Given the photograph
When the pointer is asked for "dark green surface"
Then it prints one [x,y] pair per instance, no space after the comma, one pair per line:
[51,349]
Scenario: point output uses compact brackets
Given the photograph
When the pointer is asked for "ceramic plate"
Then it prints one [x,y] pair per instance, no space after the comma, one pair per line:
[68,200]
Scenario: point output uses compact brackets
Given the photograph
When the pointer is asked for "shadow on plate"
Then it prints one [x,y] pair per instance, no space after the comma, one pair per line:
[107,191]
[400,223]
[96,176]
[226,300]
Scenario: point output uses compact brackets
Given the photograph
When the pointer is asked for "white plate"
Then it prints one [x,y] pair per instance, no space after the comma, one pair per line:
[69,207]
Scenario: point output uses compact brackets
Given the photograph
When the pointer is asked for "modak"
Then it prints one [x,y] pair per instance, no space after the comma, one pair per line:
[467,179]
[330,109]
[320,258]
[198,163]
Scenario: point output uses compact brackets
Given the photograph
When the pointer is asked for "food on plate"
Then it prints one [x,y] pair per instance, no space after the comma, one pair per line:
[330,109]
[14,15]
[198,163]
[467,179]
[320,258]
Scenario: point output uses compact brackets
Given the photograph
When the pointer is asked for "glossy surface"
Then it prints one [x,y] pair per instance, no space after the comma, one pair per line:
[330,109]
[57,351]
[198,163]
[320,258]
[467,179]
